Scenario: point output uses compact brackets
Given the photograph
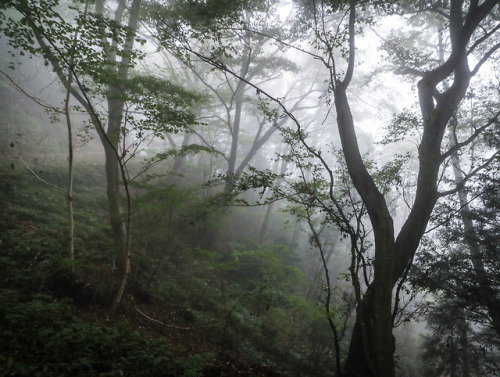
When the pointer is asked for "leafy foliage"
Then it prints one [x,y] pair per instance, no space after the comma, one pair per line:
[42,30]
[455,347]
[461,316]
[403,127]
[211,13]
[43,338]
[165,106]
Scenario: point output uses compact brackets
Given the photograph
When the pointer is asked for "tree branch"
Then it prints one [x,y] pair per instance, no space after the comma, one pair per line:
[471,138]
[468,176]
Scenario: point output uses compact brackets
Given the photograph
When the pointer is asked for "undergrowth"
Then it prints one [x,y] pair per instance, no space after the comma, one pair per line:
[197,303]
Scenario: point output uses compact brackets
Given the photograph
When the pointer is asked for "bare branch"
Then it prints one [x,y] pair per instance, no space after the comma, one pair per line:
[409,71]
[37,176]
[36,100]
[485,58]
[352,47]
[478,132]
[471,174]
[483,38]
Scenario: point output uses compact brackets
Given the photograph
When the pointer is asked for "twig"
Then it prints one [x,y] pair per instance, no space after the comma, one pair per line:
[37,176]
[161,323]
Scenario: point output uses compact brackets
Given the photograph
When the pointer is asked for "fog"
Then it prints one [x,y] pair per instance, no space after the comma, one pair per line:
[207,171]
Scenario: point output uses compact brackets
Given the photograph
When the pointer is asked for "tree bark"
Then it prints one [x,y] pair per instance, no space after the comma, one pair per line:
[69,186]
[179,160]
[112,136]
[235,129]
[464,343]
[371,349]
[235,132]
[238,111]
[116,167]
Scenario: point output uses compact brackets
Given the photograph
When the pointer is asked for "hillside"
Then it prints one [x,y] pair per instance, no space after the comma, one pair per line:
[190,308]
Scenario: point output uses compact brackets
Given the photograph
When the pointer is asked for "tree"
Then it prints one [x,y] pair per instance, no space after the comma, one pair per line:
[370,351]
[456,346]
[476,228]
[97,66]
[466,274]
[46,33]
[236,115]
[65,111]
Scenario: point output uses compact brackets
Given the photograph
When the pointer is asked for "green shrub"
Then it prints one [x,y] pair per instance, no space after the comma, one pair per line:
[40,337]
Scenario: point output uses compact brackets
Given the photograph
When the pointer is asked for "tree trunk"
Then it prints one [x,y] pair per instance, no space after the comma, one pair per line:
[116,167]
[372,346]
[464,343]
[179,159]
[372,343]
[114,202]
[487,294]
[267,216]
[238,111]
[69,187]
[235,135]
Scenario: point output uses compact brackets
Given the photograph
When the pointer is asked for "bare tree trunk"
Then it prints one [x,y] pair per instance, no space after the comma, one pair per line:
[487,294]
[265,222]
[117,166]
[69,127]
[238,112]
[110,139]
[179,160]
[464,343]
[114,202]
[69,186]
[235,135]
[372,346]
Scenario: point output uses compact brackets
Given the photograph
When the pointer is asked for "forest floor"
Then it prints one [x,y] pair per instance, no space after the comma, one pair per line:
[47,312]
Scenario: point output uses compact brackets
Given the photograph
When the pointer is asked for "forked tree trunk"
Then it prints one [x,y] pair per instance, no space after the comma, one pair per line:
[115,167]
[235,134]
[371,349]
